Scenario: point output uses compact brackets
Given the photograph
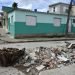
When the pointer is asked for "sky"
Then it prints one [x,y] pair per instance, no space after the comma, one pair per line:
[40,5]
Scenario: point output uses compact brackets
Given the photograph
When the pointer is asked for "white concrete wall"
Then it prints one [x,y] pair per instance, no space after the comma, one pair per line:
[60,9]
[20,16]
[12,14]
[73,10]
[57,9]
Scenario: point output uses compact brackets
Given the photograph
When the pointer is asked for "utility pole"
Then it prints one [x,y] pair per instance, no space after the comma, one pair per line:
[68,17]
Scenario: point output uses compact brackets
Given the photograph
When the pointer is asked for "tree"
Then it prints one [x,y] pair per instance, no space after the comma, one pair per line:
[68,17]
[14,5]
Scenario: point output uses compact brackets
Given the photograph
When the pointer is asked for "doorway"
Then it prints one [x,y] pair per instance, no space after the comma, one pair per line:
[69,26]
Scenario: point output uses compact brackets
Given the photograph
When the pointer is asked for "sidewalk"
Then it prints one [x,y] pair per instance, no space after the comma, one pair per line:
[12,40]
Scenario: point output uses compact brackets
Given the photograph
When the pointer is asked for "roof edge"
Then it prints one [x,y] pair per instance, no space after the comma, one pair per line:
[58,4]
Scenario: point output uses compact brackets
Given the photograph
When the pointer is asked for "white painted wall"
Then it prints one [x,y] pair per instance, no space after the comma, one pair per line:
[73,10]
[20,16]
[57,9]
[60,9]
[12,14]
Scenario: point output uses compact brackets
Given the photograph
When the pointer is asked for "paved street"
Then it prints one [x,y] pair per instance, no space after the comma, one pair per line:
[69,70]
[10,71]
[34,44]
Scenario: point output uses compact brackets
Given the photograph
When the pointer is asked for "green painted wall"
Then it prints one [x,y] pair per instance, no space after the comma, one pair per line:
[44,28]
[73,29]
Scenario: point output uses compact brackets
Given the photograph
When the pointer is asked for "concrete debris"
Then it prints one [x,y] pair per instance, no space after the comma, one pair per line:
[62,58]
[51,64]
[60,65]
[71,46]
[32,62]
[46,60]
[67,43]
[33,56]
[27,64]
[40,58]
[49,58]
[53,54]
[28,69]
[40,67]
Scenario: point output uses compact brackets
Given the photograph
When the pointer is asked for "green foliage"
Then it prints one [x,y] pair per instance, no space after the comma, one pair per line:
[14,5]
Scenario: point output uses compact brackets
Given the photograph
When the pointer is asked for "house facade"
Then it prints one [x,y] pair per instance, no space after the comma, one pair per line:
[1,19]
[61,8]
[6,10]
[22,23]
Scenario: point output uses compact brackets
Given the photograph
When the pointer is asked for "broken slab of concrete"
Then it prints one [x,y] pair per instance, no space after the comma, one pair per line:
[71,46]
[40,67]
[62,58]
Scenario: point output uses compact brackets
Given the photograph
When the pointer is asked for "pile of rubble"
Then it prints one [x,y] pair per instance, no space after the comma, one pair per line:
[38,59]
[48,58]
[43,58]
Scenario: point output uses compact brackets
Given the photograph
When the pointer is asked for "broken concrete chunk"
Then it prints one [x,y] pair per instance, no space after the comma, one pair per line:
[33,56]
[71,46]
[26,57]
[40,67]
[53,55]
[61,65]
[27,64]
[62,58]
[32,62]
[56,51]
[36,49]
[28,69]
[67,43]
[51,64]
[46,60]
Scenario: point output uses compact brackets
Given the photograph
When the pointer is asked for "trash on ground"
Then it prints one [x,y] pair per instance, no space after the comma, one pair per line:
[40,58]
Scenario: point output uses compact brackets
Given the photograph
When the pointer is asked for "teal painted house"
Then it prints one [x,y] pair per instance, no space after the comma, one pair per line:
[22,23]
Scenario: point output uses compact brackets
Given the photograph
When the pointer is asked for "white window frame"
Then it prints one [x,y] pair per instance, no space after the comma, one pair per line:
[57,24]
[32,20]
